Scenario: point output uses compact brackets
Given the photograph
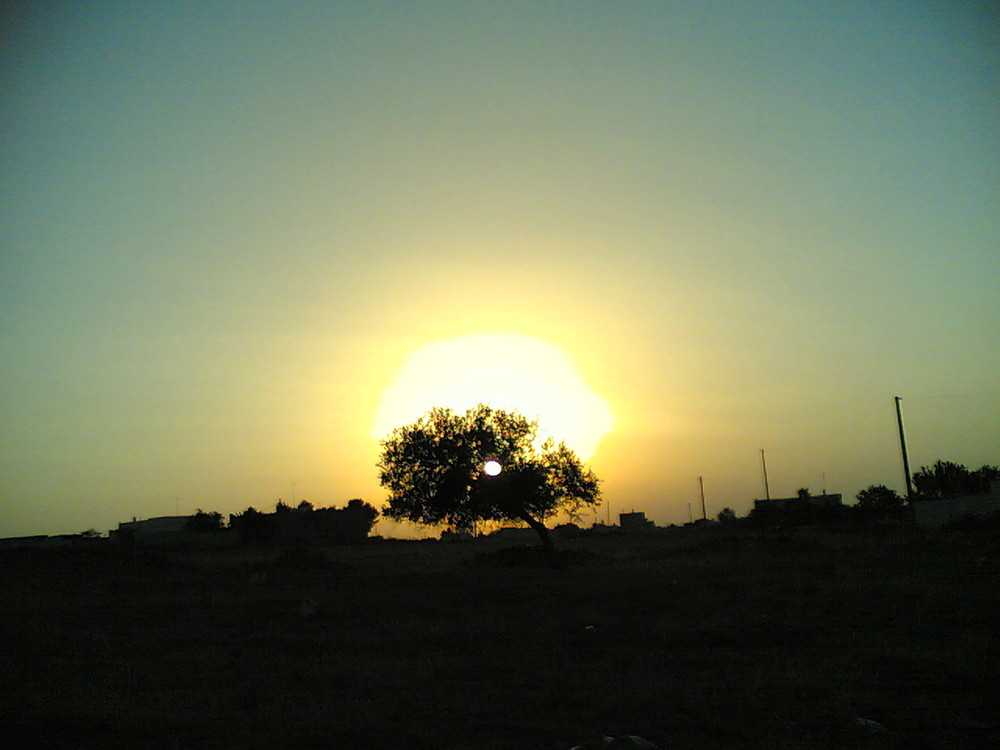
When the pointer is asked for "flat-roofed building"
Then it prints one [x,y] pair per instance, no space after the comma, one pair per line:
[813,501]
[933,514]
[634,521]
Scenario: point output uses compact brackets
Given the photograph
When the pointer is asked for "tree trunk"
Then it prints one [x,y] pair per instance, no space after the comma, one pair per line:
[547,543]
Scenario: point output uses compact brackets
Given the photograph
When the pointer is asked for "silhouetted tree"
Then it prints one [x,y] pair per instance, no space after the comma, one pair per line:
[356,520]
[204,522]
[880,500]
[946,479]
[305,505]
[726,515]
[282,507]
[434,471]
[348,525]
[252,525]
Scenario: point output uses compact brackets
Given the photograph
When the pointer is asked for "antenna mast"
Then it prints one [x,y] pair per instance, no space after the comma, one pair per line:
[763,462]
[902,447]
[701,484]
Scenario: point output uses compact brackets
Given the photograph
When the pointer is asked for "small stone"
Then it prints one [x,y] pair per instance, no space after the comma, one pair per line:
[867,725]
[628,742]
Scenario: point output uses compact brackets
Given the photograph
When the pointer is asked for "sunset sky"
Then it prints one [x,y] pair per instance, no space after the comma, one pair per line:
[228,229]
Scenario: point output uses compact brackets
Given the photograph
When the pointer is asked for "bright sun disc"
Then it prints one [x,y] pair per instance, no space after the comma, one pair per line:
[519,373]
[492,468]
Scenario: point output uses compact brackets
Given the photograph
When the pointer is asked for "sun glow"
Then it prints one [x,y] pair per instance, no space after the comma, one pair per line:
[525,374]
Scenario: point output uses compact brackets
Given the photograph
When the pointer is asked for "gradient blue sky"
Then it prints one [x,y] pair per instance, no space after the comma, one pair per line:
[224,228]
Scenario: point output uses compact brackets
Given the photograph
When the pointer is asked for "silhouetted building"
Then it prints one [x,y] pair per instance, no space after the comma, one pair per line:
[161,528]
[42,541]
[634,521]
[934,514]
[23,542]
[811,501]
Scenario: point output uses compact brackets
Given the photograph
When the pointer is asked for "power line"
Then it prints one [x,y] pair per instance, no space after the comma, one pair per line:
[938,396]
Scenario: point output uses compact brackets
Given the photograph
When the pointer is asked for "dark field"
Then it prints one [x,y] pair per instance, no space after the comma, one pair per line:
[692,638]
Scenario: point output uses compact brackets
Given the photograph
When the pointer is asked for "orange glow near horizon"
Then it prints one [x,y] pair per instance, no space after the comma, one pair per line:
[513,372]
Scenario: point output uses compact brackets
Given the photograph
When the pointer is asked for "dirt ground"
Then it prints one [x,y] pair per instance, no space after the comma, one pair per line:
[692,638]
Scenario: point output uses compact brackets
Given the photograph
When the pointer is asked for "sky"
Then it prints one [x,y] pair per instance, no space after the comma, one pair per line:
[228,230]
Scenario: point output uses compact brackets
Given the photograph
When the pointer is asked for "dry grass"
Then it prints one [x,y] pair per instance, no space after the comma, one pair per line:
[695,638]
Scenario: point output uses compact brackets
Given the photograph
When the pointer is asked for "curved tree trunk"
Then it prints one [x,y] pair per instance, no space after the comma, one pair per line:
[547,543]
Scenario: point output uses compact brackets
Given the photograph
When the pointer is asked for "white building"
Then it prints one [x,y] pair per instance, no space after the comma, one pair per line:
[933,514]
[150,528]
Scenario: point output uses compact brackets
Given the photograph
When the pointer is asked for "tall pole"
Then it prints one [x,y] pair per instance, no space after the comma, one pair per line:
[763,462]
[902,447]
[701,484]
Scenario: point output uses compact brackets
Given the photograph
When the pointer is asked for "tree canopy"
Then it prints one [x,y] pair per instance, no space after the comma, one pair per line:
[726,515]
[946,479]
[879,499]
[204,521]
[434,471]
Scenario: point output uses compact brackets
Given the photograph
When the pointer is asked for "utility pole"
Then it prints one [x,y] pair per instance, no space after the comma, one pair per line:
[763,462]
[701,484]
[902,447]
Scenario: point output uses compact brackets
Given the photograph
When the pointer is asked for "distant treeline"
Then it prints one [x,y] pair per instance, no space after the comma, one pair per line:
[352,523]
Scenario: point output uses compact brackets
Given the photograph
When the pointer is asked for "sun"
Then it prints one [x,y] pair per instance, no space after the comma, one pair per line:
[505,371]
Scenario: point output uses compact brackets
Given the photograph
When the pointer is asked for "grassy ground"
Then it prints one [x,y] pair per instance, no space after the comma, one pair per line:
[693,638]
